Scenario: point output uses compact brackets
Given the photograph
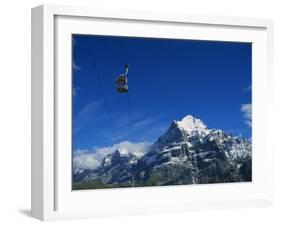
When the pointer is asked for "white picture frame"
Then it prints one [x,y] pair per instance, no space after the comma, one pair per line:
[52,197]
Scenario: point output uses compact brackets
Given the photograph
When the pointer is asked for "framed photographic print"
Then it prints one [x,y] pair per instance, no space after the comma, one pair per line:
[141,112]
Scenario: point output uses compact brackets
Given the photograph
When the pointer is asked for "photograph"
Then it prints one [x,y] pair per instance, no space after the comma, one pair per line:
[152,111]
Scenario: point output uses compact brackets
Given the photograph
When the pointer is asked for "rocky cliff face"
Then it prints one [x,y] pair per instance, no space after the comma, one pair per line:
[187,153]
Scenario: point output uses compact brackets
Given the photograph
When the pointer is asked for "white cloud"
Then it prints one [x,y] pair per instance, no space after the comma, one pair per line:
[75,91]
[85,115]
[249,88]
[82,159]
[85,159]
[246,109]
[75,66]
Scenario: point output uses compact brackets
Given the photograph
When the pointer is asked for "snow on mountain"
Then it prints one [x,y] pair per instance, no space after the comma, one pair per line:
[191,124]
[92,159]
[181,131]
[187,153]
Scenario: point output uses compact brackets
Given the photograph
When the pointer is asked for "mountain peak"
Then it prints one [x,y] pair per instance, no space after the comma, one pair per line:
[190,123]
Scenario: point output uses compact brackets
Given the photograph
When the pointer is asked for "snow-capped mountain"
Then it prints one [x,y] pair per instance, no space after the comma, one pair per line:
[192,125]
[180,131]
[187,153]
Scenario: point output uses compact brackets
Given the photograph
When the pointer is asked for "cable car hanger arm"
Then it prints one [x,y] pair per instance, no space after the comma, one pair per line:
[126,69]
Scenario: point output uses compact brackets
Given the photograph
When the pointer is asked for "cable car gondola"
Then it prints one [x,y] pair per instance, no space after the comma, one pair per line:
[122,81]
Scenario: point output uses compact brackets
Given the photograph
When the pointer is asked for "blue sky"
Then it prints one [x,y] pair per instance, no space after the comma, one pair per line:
[168,79]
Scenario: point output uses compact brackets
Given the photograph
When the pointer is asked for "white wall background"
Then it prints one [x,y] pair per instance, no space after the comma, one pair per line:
[15,111]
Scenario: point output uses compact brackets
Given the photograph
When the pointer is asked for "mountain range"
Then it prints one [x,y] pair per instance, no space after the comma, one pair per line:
[187,153]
